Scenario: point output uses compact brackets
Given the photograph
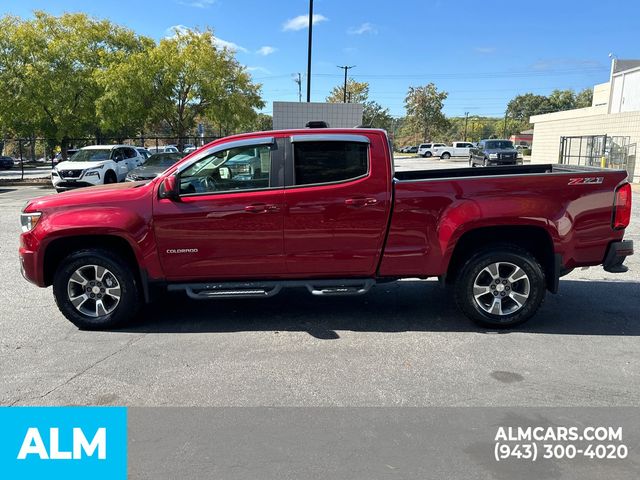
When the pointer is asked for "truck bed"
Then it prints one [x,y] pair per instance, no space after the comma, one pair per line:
[513,170]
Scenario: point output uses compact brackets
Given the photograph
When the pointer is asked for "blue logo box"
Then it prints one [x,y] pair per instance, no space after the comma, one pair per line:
[63,442]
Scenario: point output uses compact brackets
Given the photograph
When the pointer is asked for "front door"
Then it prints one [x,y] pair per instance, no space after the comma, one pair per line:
[337,205]
[228,221]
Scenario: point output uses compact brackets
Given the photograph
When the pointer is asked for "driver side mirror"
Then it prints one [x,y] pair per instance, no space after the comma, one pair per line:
[170,188]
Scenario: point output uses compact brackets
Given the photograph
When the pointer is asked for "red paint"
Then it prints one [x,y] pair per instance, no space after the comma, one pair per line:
[368,227]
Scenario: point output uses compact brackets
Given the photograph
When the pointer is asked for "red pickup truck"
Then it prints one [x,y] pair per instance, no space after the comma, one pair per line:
[323,208]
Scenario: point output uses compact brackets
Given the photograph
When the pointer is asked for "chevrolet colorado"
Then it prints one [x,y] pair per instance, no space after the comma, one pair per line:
[326,211]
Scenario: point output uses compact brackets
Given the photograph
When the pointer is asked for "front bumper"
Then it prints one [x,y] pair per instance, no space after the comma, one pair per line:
[67,185]
[616,254]
[30,265]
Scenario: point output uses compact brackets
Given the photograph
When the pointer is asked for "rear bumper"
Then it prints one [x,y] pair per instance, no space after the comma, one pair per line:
[616,254]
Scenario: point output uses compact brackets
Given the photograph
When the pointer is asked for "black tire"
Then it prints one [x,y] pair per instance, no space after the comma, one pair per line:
[129,300]
[476,267]
[445,156]
[427,155]
[471,164]
[110,177]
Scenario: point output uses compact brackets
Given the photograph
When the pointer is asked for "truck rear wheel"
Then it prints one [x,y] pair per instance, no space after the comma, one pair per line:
[445,156]
[501,286]
[95,290]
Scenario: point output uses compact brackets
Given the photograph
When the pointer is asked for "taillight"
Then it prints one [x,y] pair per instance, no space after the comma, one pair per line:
[622,207]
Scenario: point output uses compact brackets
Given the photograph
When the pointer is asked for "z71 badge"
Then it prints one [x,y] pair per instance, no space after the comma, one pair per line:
[585,180]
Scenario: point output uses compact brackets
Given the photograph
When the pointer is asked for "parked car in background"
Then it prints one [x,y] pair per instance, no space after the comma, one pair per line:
[413,149]
[164,149]
[426,149]
[457,149]
[154,166]
[70,152]
[189,148]
[95,165]
[6,163]
[144,153]
[494,152]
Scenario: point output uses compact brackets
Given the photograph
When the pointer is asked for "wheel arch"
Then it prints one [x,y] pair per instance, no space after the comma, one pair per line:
[534,239]
[57,250]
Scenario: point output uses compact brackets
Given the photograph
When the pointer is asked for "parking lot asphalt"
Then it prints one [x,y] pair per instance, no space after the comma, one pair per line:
[402,344]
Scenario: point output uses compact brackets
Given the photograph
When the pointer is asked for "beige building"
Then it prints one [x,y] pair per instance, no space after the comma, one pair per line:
[615,112]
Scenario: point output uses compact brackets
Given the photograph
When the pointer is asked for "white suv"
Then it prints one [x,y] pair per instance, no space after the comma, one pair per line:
[426,149]
[95,165]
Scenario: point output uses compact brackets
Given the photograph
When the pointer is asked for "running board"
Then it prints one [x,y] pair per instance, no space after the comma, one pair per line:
[342,287]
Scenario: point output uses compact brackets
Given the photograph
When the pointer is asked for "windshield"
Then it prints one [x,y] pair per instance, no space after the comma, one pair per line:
[91,155]
[498,145]
[163,159]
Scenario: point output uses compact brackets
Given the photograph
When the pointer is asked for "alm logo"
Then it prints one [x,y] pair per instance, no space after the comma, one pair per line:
[34,445]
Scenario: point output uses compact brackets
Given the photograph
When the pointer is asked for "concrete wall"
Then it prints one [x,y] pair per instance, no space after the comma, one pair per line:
[297,114]
[550,127]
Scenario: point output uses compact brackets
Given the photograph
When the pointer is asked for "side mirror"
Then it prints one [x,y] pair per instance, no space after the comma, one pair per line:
[169,188]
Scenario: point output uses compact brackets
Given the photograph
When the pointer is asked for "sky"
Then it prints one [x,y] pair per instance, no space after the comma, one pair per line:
[482,53]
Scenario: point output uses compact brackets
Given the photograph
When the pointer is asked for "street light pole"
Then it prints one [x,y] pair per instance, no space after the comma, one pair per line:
[309,51]
[346,68]
[504,130]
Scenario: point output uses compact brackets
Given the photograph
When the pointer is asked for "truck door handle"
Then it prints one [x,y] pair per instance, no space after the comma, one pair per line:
[261,208]
[360,202]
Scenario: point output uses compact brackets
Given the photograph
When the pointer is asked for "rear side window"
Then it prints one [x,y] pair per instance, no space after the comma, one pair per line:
[328,162]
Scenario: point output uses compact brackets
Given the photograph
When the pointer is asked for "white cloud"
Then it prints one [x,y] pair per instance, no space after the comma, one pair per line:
[266,71]
[198,3]
[484,49]
[176,29]
[266,50]
[218,42]
[302,21]
[234,47]
[364,28]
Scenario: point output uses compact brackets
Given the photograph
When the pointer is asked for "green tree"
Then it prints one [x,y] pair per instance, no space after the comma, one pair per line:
[424,110]
[49,67]
[584,98]
[191,77]
[357,92]
[562,100]
[522,107]
[373,115]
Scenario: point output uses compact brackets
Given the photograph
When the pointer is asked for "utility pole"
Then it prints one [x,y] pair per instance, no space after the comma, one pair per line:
[346,68]
[298,80]
[504,130]
[466,118]
[309,51]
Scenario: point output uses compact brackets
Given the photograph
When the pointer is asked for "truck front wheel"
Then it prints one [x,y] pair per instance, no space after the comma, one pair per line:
[95,290]
[502,286]
[445,156]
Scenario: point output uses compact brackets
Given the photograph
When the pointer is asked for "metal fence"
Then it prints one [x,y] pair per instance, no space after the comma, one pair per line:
[31,153]
[603,151]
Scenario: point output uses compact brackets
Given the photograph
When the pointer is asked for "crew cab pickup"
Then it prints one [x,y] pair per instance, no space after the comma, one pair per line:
[326,211]
[456,149]
[494,152]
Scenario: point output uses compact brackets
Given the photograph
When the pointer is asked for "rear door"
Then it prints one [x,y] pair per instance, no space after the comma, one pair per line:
[122,168]
[337,198]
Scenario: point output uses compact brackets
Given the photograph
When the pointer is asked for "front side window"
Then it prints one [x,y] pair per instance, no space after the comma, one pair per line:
[242,168]
[328,162]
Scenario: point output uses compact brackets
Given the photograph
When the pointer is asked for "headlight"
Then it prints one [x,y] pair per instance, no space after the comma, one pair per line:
[54,173]
[28,220]
[493,155]
[92,173]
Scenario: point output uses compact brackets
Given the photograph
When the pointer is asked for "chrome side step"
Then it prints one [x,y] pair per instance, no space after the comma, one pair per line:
[338,287]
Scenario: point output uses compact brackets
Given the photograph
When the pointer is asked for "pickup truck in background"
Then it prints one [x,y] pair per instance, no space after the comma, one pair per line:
[325,211]
[457,149]
[494,152]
